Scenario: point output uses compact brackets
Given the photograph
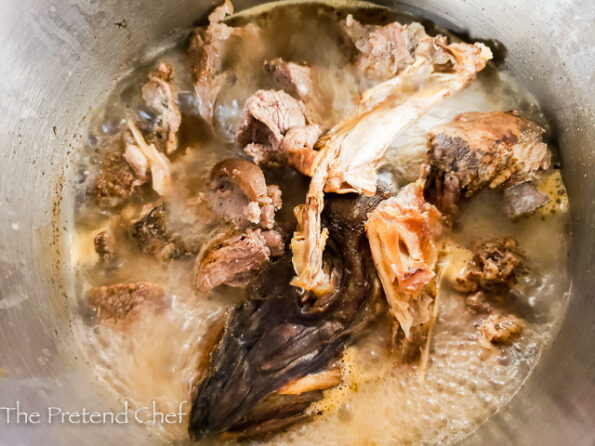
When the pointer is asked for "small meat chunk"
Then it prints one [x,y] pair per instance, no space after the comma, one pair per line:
[383,51]
[104,243]
[238,193]
[116,182]
[402,232]
[159,95]
[479,150]
[501,329]
[293,78]
[231,259]
[523,199]
[496,265]
[152,236]
[120,301]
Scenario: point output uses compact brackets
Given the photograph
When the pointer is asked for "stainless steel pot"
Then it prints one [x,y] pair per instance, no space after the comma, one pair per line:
[61,57]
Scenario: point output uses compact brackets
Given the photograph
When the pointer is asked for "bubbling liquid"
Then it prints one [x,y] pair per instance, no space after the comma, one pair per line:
[155,357]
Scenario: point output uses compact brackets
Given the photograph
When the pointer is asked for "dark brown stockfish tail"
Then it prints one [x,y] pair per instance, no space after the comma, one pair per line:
[279,335]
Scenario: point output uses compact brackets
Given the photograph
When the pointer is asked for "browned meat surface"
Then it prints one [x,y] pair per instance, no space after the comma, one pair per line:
[233,259]
[523,199]
[105,245]
[383,51]
[501,329]
[293,78]
[479,150]
[316,381]
[159,95]
[120,301]
[116,182]
[153,237]
[279,336]
[496,266]
[238,193]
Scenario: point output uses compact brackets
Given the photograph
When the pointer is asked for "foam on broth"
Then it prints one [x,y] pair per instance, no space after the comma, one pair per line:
[155,358]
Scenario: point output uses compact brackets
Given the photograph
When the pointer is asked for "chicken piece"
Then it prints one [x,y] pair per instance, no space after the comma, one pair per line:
[523,199]
[239,194]
[383,51]
[121,301]
[152,236]
[351,152]
[232,259]
[500,329]
[158,94]
[402,232]
[104,243]
[479,150]
[495,266]
[156,161]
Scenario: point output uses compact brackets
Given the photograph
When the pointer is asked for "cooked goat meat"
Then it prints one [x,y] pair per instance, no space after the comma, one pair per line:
[350,153]
[501,329]
[279,335]
[116,182]
[482,149]
[383,51]
[238,193]
[523,199]
[120,301]
[105,245]
[156,161]
[152,236]
[496,266]
[137,162]
[234,258]
[158,94]
[402,232]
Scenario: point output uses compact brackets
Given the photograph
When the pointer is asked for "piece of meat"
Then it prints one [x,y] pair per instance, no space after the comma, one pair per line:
[523,199]
[382,50]
[316,381]
[280,335]
[479,150]
[232,259]
[350,154]
[238,193]
[293,78]
[121,301]
[137,162]
[156,161]
[116,182]
[402,232]
[500,329]
[104,243]
[159,95]
[152,236]
[496,266]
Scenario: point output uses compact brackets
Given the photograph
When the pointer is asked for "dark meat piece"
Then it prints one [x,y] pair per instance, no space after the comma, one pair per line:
[268,117]
[478,150]
[501,329]
[152,236]
[383,51]
[234,258]
[496,266]
[120,301]
[239,194]
[105,245]
[159,95]
[523,199]
[116,182]
[280,334]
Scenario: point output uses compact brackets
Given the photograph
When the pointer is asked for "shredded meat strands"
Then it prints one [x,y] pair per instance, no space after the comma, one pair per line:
[350,154]
[402,232]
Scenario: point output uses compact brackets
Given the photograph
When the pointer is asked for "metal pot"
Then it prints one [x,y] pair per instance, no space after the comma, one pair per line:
[61,57]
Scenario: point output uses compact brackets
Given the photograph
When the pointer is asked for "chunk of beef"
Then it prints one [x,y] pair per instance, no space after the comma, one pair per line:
[152,236]
[280,335]
[501,329]
[496,266]
[234,258]
[120,301]
[105,245]
[293,78]
[479,150]
[383,51]
[523,199]
[238,193]
[159,95]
